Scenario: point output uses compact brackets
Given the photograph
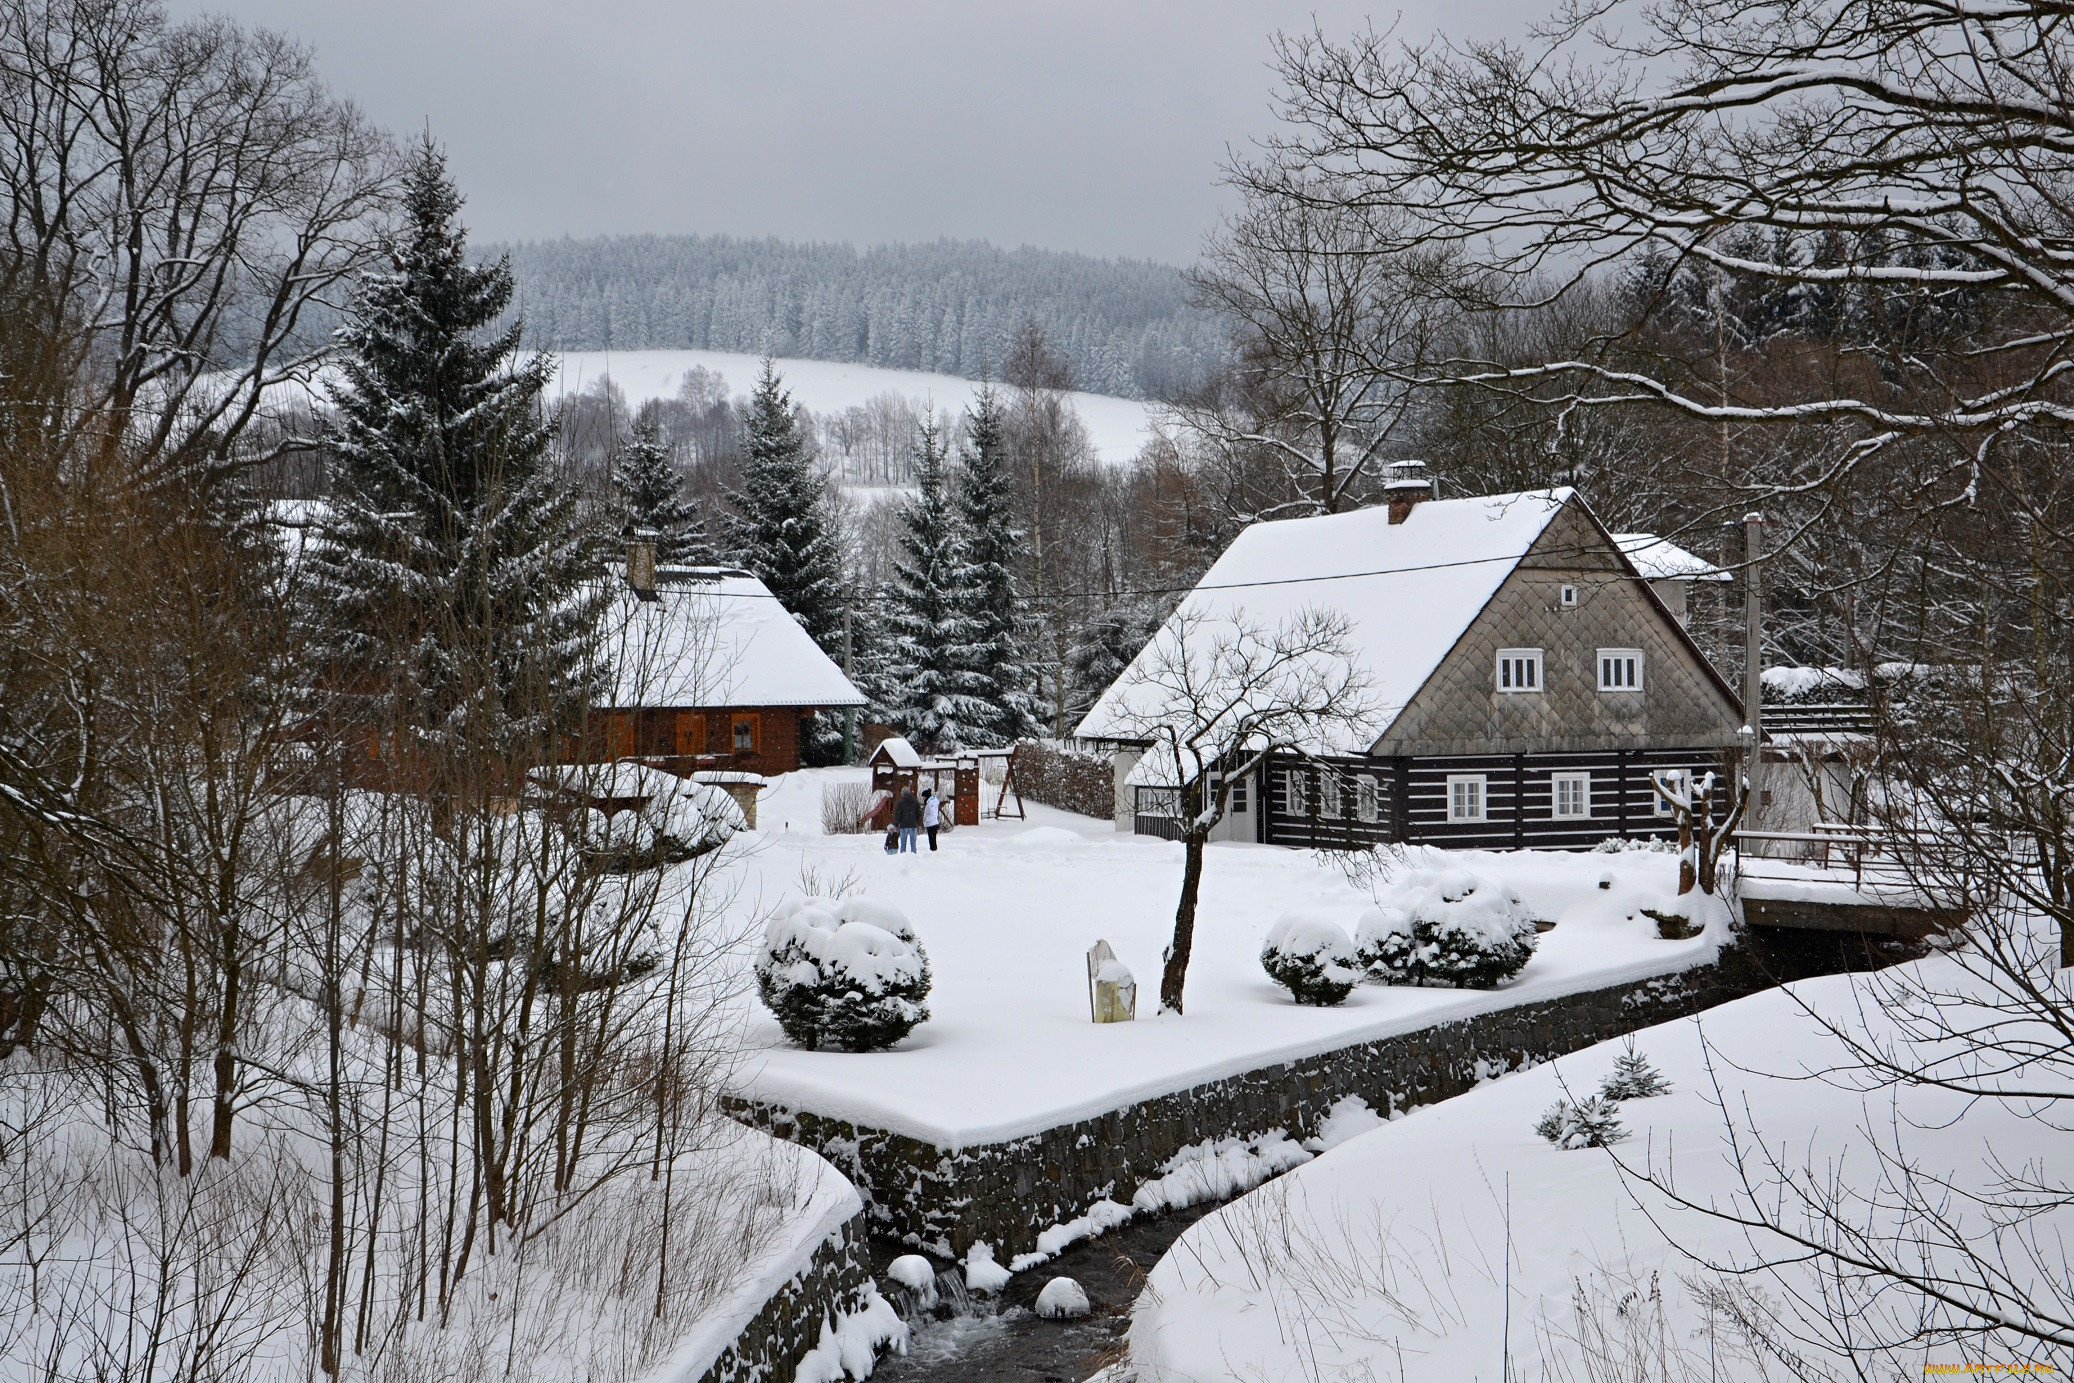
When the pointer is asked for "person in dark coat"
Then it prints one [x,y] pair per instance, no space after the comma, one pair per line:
[907,815]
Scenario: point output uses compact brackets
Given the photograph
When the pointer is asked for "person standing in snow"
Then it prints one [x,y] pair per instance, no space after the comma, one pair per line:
[932,816]
[907,815]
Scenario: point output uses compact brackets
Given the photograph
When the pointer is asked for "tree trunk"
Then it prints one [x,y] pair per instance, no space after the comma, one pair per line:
[1176,972]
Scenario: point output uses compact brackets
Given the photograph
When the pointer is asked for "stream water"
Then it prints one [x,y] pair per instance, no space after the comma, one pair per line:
[981,1339]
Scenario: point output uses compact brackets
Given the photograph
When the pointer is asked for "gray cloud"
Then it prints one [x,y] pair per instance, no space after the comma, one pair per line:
[1094,125]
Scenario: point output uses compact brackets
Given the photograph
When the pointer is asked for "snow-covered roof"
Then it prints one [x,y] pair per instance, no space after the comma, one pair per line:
[716,637]
[1659,559]
[1799,682]
[1409,591]
[898,751]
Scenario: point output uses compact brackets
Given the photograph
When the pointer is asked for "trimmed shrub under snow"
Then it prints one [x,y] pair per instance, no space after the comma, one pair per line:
[848,975]
[1311,958]
[1446,927]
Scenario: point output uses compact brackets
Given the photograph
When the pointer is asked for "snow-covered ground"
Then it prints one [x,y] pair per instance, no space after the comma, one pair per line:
[1007,911]
[1117,427]
[1453,1243]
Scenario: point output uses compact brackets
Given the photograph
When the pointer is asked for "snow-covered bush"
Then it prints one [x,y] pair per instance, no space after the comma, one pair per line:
[680,820]
[1446,927]
[851,976]
[1633,1078]
[1311,958]
[1590,1123]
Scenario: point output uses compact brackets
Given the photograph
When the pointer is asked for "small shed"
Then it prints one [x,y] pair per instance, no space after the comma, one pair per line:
[896,766]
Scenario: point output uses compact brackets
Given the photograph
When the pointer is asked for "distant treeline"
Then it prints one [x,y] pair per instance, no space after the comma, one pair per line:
[1126,326]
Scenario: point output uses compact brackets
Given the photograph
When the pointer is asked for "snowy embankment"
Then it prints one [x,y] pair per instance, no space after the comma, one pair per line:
[1455,1243]
[1116,427]
[1007,911]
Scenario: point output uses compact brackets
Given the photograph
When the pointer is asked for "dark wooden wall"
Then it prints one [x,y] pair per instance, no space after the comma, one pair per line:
[1519,800]
[684,741]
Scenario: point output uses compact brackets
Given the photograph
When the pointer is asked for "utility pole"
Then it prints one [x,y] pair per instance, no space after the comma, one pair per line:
[849,671]
[1753,655]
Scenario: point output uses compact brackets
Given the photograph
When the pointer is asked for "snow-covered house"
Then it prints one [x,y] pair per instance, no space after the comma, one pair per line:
[1528,679]
[708,672]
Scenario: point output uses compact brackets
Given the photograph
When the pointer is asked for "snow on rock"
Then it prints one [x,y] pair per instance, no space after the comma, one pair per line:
[1101,1217]
[1062,1299]
[1218,1169]
[850,1345]
[1350,1118]
[982,1273]
[913,1272]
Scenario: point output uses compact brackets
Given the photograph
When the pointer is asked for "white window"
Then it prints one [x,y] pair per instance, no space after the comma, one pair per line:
[1329,794]
[1368,799]
[1572,796]
[1296,783]
[1671,780]
[1620,669]
[1465,797]
[1569,597]
[1519,669]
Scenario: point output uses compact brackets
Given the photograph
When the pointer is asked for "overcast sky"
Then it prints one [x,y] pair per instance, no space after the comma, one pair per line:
[1094,125]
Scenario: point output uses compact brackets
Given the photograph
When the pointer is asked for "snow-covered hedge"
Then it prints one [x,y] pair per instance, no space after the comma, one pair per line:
[1446,927]
[1312,958]
[680,821]
[849,975]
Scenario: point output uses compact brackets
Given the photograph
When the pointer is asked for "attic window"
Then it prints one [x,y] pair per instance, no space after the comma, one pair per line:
[1519,669]
[1620,669]
[1569,597]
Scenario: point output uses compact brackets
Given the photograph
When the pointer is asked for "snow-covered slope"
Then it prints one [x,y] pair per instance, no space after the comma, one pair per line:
[1456,1244]
[1117,427]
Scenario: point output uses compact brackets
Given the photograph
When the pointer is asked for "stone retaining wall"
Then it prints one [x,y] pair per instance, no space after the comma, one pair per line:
[944,1200]
[835,1282]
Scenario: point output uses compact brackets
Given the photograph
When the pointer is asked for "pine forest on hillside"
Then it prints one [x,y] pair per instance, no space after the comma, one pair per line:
[951,307]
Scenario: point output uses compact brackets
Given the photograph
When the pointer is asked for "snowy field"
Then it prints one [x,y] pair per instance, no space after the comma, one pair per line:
[1007,911]
[1117,427]
[1454,1243]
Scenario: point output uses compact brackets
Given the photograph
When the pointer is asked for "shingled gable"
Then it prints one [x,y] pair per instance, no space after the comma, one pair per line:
[1683,700]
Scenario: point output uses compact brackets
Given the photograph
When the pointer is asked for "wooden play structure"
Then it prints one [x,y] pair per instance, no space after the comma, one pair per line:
[897,766]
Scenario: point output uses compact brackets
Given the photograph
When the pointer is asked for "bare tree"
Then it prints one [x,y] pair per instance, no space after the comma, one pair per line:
[182,201]
[1224,695]
[1328,331]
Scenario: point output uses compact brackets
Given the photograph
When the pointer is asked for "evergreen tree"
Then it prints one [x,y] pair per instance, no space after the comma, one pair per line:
[1633,1078]
[782,528]
[450,585]
[985,584]
[653,493]
[930,691]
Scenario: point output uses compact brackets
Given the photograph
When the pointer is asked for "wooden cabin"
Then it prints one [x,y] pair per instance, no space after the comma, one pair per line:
[709,673]
[1529,682]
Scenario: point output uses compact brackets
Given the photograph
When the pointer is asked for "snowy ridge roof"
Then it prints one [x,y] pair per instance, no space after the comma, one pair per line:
[1409,591]
[1659,559]
[716,637]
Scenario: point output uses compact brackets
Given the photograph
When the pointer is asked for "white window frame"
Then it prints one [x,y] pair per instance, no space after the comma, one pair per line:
[1481,783]
[1332,802]
[1612,658]
[1296,790]
[1368,799]
[1521,657]
[1572,778]
[1568,598]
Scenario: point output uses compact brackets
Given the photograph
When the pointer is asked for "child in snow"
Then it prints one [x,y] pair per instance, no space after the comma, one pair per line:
[932,816]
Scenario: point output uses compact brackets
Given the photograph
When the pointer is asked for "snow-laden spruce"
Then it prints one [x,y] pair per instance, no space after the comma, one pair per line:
[1446,927]
[1633,1077]
[1593,1122]
[850,975]
[1311,957]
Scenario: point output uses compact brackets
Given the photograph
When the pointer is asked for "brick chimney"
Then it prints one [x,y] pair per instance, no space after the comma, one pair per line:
[641,562]
[1407,483]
